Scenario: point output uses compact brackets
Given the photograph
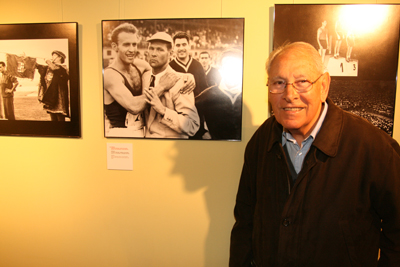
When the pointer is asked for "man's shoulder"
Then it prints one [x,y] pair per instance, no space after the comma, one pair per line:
[264,138]
[213,69]
[213,72]
[355,129]
[269,126]
[196,63]
[111,71]
[112,76]
[141,64]
[364,129]
[175,90]
[9,77]
[7,74]
[172,70]
[173,62]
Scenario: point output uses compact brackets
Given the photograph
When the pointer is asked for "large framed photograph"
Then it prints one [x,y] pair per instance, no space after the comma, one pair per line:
[173,78]
[359,45]
[39,79]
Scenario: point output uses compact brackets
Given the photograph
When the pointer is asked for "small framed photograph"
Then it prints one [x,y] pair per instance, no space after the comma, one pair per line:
[173,78]
[39,80]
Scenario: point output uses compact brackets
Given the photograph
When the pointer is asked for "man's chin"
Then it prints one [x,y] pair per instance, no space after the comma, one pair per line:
[129,60]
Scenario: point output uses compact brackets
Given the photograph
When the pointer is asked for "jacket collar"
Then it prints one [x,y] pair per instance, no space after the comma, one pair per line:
[328,137]
[183,65]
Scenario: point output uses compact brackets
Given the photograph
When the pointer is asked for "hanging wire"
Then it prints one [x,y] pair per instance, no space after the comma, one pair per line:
[62,10]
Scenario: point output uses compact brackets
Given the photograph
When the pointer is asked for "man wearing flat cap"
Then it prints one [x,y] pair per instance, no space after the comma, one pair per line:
[172,115]
[60,54]
[53,87]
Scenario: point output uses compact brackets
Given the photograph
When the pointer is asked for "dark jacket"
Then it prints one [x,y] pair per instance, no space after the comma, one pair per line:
[331,216]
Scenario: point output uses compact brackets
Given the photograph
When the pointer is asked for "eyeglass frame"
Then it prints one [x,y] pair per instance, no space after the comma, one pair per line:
[292,84]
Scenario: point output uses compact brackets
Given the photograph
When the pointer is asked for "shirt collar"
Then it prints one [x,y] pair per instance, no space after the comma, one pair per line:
[159,75]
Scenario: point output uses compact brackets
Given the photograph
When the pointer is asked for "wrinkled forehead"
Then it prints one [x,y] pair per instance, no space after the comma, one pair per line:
[181,41]
[159,44]
[127,37]
[294,59]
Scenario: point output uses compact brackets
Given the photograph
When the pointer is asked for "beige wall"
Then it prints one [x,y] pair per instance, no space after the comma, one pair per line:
[60,206]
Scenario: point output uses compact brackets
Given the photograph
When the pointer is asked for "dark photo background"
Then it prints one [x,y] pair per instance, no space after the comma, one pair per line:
[371,92]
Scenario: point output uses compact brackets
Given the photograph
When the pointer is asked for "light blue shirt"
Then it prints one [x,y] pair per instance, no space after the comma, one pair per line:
[297,153]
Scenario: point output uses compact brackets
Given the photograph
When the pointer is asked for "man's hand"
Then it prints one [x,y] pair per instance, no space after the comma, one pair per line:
[188,84]
[153,99]
[168,80]
[8,91]
[51,64]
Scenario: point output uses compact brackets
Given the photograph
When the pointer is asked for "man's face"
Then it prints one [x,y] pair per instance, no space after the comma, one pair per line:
[126,46]
[296,112]
[159,55]
[2,68]
[204,60]
[181,48]
[56,58]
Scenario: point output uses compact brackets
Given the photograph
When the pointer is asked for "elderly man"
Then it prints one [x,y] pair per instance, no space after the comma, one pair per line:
[319,186]
[172,115]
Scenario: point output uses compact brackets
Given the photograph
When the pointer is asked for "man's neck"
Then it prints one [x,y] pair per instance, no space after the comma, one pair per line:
[156,71]
[121,66]
[184,60]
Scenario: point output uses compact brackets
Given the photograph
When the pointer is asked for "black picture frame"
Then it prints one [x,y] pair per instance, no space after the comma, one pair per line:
[229,33]
[364,67]
[42,41]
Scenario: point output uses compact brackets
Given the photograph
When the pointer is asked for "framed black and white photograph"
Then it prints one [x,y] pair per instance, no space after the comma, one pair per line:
[359,45]
[173,78]
[39,79]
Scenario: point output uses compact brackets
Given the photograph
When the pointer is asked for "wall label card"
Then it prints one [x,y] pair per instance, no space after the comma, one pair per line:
[119,156]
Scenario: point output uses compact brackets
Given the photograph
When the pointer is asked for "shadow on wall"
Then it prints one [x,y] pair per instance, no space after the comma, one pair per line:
[210,164]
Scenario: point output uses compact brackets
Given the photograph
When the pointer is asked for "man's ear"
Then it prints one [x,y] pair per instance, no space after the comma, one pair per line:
[325,84]
[114,46]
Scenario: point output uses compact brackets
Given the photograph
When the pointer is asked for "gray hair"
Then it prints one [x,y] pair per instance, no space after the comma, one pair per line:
[301,48]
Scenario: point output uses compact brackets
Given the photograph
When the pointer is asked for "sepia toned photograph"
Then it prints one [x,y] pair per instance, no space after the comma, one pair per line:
[39,80]
[359,46]
[173,78]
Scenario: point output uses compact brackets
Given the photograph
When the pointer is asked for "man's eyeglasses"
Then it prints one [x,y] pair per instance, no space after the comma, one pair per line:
[301,86]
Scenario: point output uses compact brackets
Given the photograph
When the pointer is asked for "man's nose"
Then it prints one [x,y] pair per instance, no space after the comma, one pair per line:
[290,92]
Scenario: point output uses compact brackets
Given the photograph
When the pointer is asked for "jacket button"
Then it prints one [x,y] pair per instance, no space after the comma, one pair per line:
[286,222]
